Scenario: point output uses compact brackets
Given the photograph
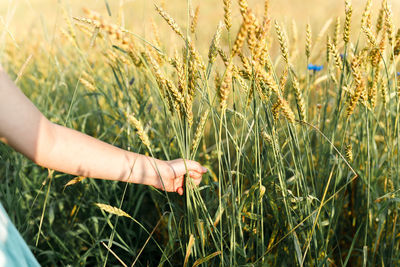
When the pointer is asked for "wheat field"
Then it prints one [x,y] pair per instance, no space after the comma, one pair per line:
[293,106]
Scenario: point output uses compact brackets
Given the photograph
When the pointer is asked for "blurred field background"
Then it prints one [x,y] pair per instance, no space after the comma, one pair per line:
[280,192]
[45,15]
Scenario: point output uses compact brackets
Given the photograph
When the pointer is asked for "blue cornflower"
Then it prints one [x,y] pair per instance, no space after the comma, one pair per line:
[319,68]
[398,73]
[314,67]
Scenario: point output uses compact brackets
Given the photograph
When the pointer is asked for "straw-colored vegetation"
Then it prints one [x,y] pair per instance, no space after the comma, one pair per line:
[297,121]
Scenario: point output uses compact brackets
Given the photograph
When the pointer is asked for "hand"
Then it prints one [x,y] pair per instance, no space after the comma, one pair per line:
[174,171]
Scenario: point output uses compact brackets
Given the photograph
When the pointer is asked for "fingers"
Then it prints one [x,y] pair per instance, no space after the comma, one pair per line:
[195,175]
[195,166]
[181,167]
[180,191]
[179,182]
[178,185]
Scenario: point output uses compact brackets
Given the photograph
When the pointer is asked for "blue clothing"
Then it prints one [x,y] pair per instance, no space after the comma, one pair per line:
[13,249]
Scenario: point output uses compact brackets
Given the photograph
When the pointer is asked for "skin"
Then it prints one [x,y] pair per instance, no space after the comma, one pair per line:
[52,146]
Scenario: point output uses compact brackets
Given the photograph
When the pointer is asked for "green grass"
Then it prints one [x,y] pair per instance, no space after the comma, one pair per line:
[287,197]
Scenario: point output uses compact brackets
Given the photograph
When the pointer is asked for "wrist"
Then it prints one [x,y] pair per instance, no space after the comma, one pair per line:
[147,170]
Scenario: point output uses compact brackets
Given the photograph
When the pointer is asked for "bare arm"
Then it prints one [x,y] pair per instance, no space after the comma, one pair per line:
[23,127]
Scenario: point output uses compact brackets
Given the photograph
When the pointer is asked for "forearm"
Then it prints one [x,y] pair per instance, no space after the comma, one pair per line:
[69,151]
[24,127]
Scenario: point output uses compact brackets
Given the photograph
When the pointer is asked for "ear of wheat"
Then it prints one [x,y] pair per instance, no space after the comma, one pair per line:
[283,105]
[226,86]
[140,130]
[241,35]
[228,14]
[170,21]
[195,19]
[347,22]
[113,210]
[213,50]
[282,42]
[308,40]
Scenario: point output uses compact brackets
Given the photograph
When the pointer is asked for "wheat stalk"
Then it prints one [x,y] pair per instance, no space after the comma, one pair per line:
[336,32]
[140,130]
[349,152]
[156,33]
[308,40]
[299,99]
[195,19]
[282,42]
[359,83]
[252,36]
[76,180]
[266,8]
[286,110]
[381,18]
[335,54]
[283,79]
[396,49]
[347,22]
[226,86]
[71,29]
[367,16]
[389,24]
[199,131]
[189,250]
[223,56]
[248,69]
[267,138]
[87,84]
[241,35]
[243,7]
[170,21]
[213,51]
[196,56]
[384,92]
[266,78]
[370,36]
[372,94]
[113,210]
[228,14]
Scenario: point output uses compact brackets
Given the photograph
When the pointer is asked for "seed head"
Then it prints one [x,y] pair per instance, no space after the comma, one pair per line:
[347,23]
[349,152]
[389,24]
[335,54]
[282,42]
[226,86]
[195,19]
[171,22]
[140,130]
[299,99]
[286,110]
[241,35]
[199,130]
[308,40]
[228,14]
[243,7]
[113,210]
[336,32]
[213,51]
[381,17]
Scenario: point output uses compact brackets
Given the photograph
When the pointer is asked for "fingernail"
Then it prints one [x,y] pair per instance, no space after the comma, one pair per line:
[180,191]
